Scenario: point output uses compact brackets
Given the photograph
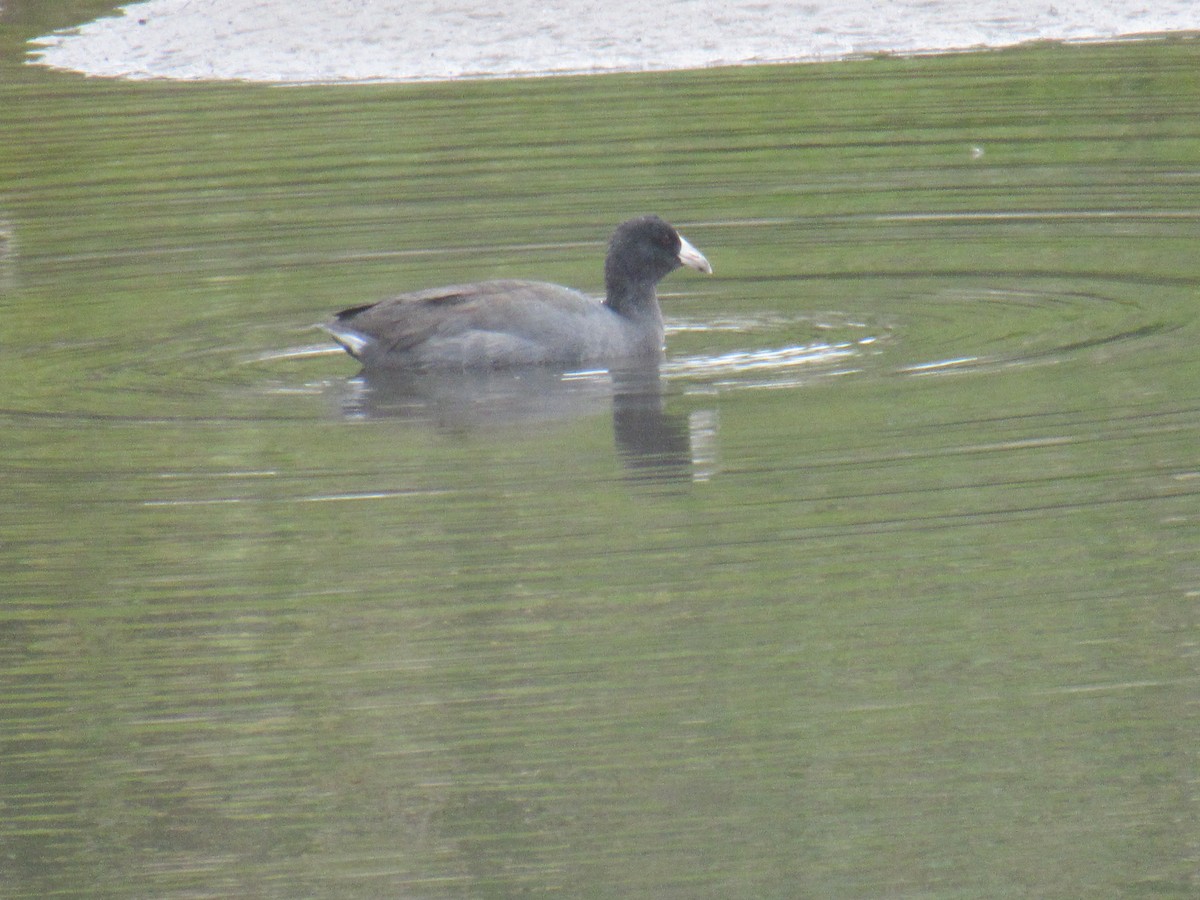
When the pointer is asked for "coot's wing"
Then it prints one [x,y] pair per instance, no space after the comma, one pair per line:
[398,323]
[520,311]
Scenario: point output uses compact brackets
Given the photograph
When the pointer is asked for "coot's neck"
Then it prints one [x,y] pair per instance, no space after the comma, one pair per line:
[633,299]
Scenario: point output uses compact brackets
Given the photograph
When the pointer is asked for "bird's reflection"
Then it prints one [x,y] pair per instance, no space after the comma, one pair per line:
[652,443]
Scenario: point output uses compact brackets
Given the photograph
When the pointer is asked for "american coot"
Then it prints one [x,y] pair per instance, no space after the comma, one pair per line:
[496,324]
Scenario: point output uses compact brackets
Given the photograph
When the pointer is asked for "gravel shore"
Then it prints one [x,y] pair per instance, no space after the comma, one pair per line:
[423,40]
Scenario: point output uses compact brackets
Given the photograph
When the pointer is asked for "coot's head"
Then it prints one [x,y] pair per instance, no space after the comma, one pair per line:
[645,250]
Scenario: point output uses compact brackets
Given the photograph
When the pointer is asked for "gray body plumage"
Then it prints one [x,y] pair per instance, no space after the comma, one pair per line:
[493,324]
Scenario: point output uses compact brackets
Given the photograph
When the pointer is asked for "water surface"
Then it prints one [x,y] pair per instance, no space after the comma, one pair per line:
[885,585]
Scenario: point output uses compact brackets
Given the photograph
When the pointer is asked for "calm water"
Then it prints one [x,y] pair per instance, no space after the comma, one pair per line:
[886,584]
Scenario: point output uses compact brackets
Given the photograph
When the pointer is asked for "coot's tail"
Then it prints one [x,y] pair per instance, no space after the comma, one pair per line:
[354,343]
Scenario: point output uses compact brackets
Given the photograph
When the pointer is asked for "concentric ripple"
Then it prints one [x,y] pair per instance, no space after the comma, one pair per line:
[982,327]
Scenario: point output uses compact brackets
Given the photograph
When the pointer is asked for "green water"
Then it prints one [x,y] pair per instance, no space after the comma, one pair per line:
[913,613]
